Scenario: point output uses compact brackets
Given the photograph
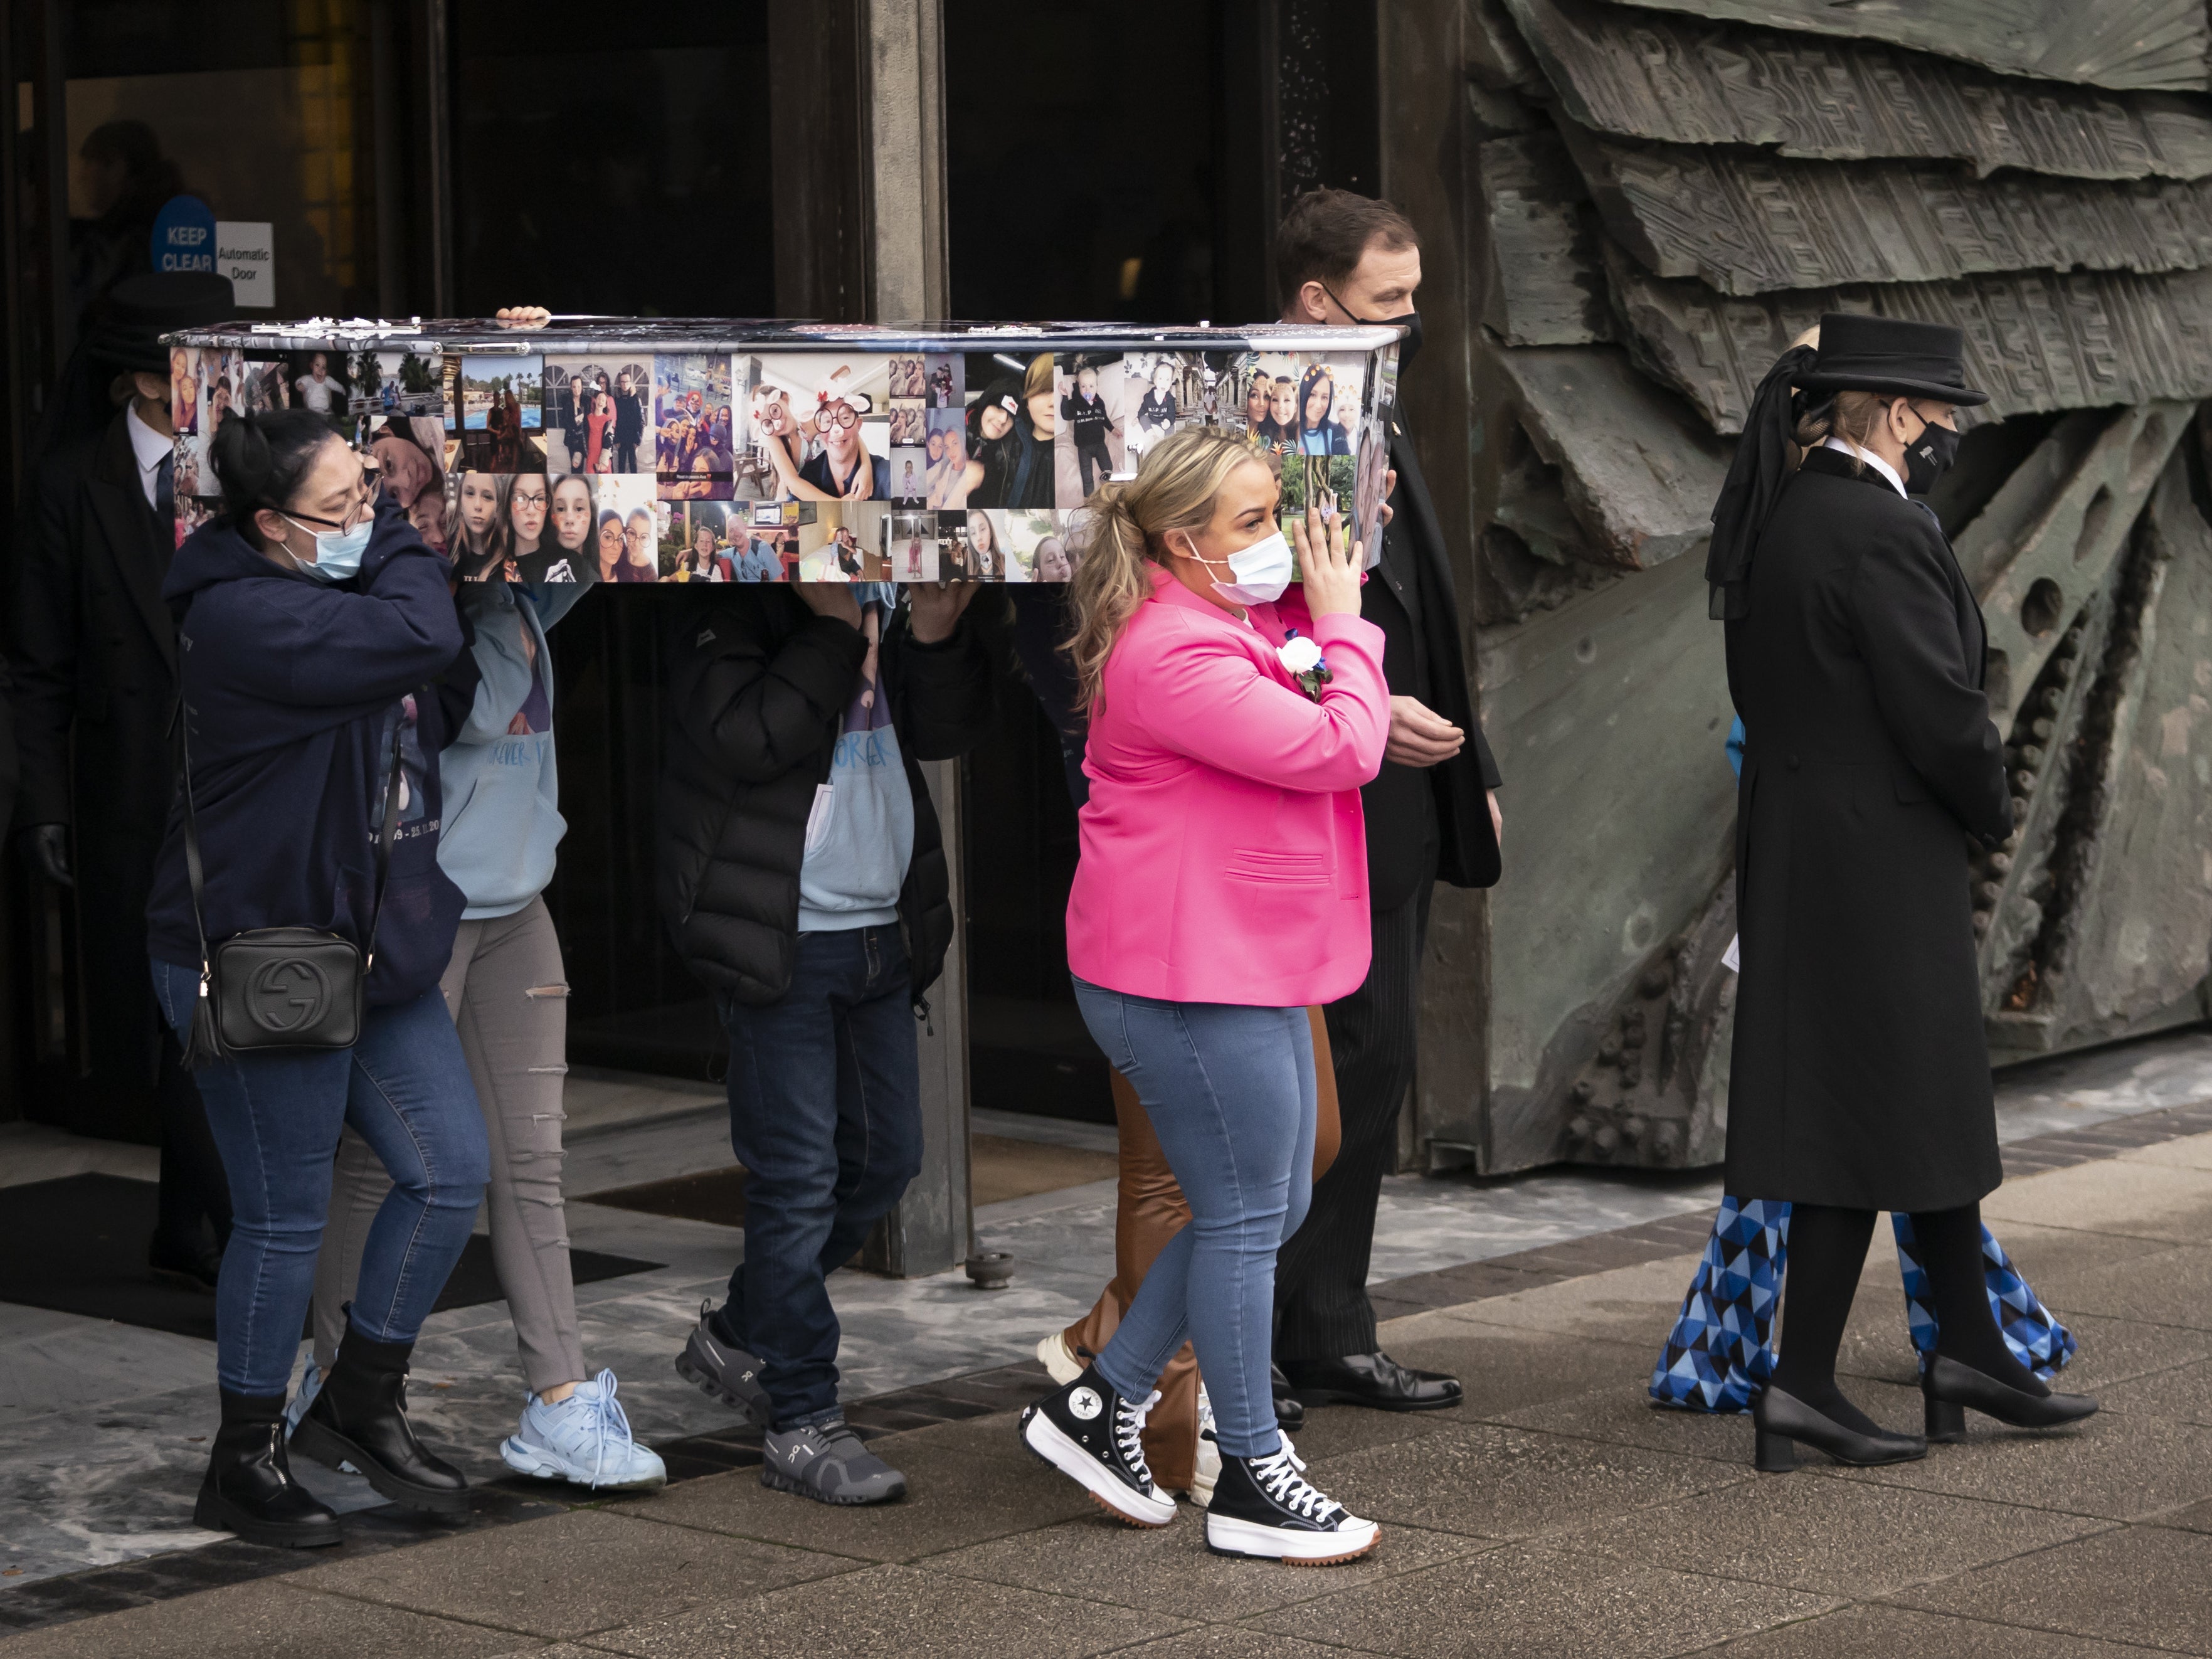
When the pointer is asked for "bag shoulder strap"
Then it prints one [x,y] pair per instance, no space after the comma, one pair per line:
[195,872]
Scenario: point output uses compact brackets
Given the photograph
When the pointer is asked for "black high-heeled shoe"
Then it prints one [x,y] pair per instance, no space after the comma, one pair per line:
[1781,1419]
[1949,1386]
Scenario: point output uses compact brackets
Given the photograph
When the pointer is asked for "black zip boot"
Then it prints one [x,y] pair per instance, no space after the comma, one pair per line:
[249,1489]
[361,1417]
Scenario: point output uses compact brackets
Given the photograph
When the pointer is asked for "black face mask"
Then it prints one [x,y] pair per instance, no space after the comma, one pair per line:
[1928,456]
[1410,321]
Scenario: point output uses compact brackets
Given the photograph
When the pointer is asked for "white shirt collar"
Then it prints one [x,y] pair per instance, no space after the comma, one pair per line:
[1870,458]
[148,444]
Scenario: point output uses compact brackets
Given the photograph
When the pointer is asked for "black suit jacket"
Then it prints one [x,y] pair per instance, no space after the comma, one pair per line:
[1432,823]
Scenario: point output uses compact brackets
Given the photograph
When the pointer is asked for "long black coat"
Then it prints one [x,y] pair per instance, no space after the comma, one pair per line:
[95,652]
[1860,1076]
[757,686]
[1423,823]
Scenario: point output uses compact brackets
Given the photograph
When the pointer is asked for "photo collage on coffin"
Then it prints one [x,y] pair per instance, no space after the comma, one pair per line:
[617,463]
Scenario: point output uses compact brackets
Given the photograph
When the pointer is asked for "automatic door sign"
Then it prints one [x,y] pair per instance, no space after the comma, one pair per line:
[183,235]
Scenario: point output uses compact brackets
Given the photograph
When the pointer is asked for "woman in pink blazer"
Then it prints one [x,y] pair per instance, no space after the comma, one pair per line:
[1222,889]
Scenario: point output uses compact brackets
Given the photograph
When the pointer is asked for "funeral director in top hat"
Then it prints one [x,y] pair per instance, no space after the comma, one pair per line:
[1861,1077]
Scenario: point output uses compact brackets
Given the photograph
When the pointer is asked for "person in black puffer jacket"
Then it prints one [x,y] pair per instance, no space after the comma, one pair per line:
[803,879]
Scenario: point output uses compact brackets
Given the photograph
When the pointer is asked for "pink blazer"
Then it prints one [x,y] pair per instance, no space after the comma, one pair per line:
[1224,856]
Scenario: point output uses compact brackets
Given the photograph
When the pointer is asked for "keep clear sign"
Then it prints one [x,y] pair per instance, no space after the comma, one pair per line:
[246,252]
[183,235]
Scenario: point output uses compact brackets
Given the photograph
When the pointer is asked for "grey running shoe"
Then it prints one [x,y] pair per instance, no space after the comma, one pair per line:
[728,1374]
[828,1463]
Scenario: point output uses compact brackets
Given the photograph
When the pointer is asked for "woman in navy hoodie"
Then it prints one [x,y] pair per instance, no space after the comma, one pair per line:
[310,614]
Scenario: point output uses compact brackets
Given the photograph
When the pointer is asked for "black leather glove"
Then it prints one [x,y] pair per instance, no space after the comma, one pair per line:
[45,846]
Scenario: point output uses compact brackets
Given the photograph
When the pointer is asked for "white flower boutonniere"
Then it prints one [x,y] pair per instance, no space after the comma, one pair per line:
[1302,656]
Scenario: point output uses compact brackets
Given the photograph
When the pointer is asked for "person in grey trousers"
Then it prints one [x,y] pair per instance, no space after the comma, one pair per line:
[507,991]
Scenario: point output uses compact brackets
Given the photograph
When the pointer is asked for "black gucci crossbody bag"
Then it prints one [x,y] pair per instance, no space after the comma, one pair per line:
[281,989]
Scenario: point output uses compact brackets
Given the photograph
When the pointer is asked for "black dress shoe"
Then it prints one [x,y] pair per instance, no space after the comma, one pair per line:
[1290,1415]
[1949,1386]
[190,1264]
[249,1489]
[361,1417]
[1782,1418]
[1374,1379]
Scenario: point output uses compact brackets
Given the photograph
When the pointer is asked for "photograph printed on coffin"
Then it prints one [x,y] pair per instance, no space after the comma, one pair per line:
[844,542]
[265,386]
[945,381]
[911,549]
[691,412]
[318,380]
[494,408]
[407,379]
[702,541]
[1091,443]
[759,552]
[598,411]
[1168,391]
[956,549]
[204,384]
[1030,540]
[944,458]
[1372,470]
[410,452]
[1013,416]
[821,421]
[625,528]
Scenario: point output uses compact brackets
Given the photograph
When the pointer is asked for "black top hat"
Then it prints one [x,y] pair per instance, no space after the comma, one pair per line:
[140,309]
[1859,353]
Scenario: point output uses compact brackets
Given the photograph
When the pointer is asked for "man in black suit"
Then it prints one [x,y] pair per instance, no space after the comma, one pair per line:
[95,652]
[1432,815]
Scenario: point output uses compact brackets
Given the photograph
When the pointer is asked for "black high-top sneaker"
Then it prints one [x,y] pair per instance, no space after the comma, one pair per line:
[1262,1507]
[1095,1438]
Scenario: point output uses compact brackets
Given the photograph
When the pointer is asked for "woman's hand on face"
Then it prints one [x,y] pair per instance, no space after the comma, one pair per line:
[1328,567]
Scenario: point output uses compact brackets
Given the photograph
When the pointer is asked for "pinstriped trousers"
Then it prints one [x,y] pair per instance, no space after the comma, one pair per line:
[1320,1277]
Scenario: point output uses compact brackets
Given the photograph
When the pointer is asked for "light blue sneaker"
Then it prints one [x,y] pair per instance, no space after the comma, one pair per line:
[311,1384]
[585,1440]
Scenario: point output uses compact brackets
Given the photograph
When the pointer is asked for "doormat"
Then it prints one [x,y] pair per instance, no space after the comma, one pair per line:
[78,1245]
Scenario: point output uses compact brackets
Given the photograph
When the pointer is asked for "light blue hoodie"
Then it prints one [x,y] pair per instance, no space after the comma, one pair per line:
[501,784]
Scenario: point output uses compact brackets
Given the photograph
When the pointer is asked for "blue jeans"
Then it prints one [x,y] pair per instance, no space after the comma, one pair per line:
[404,1088]
[825,1114]
[1230,1090]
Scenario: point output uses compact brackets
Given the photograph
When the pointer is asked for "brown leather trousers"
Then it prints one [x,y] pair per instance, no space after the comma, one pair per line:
[1150,1210]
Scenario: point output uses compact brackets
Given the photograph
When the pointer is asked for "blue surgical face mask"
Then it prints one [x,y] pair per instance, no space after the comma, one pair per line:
[338,552]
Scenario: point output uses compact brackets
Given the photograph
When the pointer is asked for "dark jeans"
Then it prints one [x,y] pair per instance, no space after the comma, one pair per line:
[625,458]
[825,1114]
[404,1088]
[1093,461]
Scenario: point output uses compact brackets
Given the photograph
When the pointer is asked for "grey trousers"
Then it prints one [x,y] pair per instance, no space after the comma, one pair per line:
[506,993]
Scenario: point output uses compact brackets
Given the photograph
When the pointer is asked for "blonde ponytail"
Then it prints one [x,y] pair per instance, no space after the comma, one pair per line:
[1174,489]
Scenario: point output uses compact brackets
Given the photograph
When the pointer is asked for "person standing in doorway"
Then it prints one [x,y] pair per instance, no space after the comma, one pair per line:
[803,880]
[1431,815]
[94,648]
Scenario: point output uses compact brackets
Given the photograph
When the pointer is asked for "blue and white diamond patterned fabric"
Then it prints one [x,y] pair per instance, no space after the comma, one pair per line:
[1721,1351]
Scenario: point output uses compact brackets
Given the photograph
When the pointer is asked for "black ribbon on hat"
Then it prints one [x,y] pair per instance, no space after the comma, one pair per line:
[1754,481]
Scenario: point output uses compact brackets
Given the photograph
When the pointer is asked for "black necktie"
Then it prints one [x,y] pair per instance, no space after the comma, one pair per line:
[165,486]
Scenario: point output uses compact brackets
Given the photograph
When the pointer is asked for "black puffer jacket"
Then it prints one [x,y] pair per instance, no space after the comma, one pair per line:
[758,685]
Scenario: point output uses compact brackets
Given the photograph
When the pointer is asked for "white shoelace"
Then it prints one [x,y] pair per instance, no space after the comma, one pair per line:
[603,1420]
[1129,1416]
[1280,1475]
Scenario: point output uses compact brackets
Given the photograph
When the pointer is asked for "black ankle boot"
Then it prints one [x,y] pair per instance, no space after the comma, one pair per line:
[249,1489]
[1782,1417]
[1949,1386]
[361,1417]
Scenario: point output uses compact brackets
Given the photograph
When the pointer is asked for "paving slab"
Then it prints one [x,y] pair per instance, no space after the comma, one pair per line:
[2145,1585]
[2159,1285]
[1900,1631]
[1523,1602]
[1485,1481]
[892,1612]
[1171,1567]
[2187,1152]
[2115,1468]
[1631,1418]
[1503,1368]
[2114,1351]
[1806,1531]
[1226,1642]
[967,1482]
[270,1620]
[2183,1392]
[586,1570]
[2110,1195]
[1621,1305]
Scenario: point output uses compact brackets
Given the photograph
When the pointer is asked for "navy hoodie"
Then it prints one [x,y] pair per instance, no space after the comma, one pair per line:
[291,687]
